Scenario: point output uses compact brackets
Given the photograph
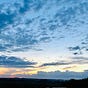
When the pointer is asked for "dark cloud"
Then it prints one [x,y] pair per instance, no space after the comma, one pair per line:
[4,18]
[62,75]
[56,75]
[81,48]
[15,62]
[53,27]
[74,48]
[55,64]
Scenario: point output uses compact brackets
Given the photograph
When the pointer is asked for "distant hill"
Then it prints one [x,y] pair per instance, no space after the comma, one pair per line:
[42,83]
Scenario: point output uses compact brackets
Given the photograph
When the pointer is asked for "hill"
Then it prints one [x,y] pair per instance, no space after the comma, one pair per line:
[42,83]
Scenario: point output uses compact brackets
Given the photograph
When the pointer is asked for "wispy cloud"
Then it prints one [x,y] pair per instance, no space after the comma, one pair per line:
[73,60]
[80,58]
[54,64]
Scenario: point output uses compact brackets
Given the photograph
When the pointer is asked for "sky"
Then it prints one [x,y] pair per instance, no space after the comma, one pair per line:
[45,39]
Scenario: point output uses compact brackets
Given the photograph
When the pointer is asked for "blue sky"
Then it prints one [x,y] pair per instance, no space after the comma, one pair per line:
[41,37]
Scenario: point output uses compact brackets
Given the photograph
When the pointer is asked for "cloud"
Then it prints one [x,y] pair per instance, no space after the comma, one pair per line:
[24,31]
[61,75]
[55,64]
[4,19]
[25,6]
[16,35]
[55,75]
[80,58]
[69,67]
[74,48]
[15,62]
[74,60]
[81,48]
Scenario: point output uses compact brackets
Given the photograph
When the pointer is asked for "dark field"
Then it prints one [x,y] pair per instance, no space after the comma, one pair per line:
[42,83]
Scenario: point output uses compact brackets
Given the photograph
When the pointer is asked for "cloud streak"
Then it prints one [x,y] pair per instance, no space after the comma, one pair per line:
[74,60]
[54,64]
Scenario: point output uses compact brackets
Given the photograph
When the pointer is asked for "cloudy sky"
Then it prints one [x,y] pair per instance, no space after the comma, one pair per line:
[44,38]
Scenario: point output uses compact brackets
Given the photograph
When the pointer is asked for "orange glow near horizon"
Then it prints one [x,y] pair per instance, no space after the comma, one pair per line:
[3,70]
[30,71]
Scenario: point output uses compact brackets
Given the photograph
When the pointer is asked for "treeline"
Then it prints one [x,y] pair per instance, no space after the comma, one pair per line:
[42,83]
